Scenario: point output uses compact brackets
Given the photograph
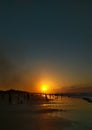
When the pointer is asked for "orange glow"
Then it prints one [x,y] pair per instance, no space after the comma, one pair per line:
[44,88]
[45,85]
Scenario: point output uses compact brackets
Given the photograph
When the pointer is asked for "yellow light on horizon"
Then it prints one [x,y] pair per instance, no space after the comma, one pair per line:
[44,88]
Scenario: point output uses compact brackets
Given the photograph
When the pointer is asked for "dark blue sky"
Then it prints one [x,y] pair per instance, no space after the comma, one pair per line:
[53,36]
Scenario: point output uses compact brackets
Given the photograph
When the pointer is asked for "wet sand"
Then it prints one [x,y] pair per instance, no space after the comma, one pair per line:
[65,114]
[23,117]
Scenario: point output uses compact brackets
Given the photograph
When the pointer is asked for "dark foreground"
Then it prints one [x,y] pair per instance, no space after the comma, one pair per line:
[65,114]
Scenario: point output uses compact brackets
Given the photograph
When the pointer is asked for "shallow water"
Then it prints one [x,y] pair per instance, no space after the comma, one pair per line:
[62,114]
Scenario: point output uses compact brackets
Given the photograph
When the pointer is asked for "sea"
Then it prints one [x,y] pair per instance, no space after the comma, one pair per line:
[64,113]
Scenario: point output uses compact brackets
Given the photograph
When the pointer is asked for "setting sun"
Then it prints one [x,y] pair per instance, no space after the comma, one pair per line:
[44,88]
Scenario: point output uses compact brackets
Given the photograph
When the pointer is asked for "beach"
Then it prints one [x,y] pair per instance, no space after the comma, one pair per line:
[65,114]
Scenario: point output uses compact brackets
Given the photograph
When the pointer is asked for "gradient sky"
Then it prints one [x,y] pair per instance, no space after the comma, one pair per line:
[45,41]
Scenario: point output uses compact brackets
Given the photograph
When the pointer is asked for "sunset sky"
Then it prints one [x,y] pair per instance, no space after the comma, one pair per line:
[45,42]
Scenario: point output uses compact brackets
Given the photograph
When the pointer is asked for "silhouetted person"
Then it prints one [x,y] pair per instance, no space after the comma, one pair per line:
[46,97]
[18,99]
[10,98]
[28,98]
[2,96]
[21,102]
[24,97]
